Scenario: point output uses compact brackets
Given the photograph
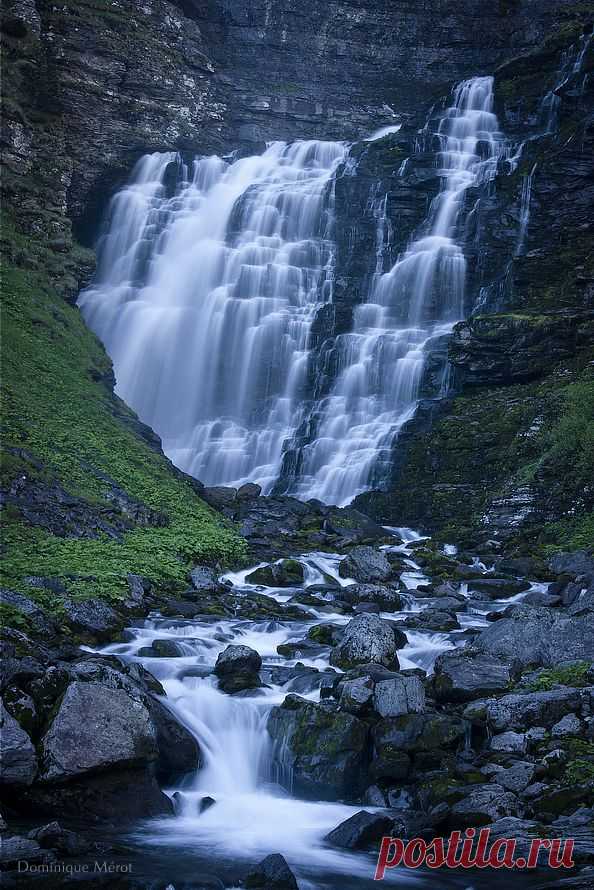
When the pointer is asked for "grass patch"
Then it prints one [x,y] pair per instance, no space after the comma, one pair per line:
[566,675]
[62,424]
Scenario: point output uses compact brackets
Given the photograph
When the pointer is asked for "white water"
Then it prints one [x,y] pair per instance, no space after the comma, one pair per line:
[205,297]
[382,360]
[255,812]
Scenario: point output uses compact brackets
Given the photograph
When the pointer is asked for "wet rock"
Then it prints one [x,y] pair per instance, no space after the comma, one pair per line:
[92,618]
[161,649]
[537,636]
[22,708]
[249,490]
[541,598]
[356,695]
[273,873]
[21,849]
[36,616]
[517,777]
[399,695]
[569,725]
[178,749]
[434,620]
[509,742]
[300,649]
[285,573]
[325,634]
[360,830]
[579,562]
[538,709]
[366,565]
[114,794]
[18,761]
[237,668]
[368,638]
[206,802]
[204,578]
[219,496]
[498,588]
[97,728]
[325,747]
[62,840]
[467,675]
[387,598]
[484,804]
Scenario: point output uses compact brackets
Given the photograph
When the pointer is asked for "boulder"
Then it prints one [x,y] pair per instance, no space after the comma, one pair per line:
[18,761]
[356,695]
[324,748]
[569,725]
[537,636]
[462,676]
[97,728]
[368,638]
[38,619]
[203,578]
[517,777]
[220,497]
[178,749]
[387,598]
[273,873]
[509,743]
[434,620]
[360,830]
[484,804]
[21,849]
[579,562]
[237,668]
[523,710]
[92,618]
[399,695]
[62,840]
[284,573]
[541,598]
[249,490]
[365,564]
[498,588]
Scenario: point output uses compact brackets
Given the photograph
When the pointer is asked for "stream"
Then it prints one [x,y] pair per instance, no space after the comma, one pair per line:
[255,812]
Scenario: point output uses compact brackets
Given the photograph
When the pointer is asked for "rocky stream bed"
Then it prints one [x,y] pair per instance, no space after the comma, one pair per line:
[353,681]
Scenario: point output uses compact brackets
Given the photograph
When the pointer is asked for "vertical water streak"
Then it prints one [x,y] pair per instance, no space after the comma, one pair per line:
[381,361]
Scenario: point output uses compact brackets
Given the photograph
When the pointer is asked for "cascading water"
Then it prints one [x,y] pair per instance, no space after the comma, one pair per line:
[205,294]
[381,361]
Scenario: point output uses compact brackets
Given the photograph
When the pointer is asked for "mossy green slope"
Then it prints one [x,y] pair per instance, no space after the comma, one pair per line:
[64,430]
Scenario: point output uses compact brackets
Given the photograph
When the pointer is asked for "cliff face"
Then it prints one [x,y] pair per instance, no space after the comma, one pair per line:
[507,453]
[90,86]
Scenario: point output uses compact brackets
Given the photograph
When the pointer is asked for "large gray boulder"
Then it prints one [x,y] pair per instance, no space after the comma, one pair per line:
[365,564]
[484,804]
[323,749]
[580,562]
[360,830]
[386,597]
[523,710]
[462,676]
[399,695]
[273,873]
[97,728]
[237,668]
[18,762]
[368,639]
[92,618]
[539,636]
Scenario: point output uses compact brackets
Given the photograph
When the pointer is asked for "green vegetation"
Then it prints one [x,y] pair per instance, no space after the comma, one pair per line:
[62,426]
[564,675]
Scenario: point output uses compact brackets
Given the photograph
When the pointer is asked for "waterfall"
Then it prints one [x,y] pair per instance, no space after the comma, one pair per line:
[381,361]
[210,276]
[208,281]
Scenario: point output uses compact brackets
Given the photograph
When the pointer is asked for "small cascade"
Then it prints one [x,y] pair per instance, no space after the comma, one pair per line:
[572,61]
[525,210]
[208,282]
[381,361]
